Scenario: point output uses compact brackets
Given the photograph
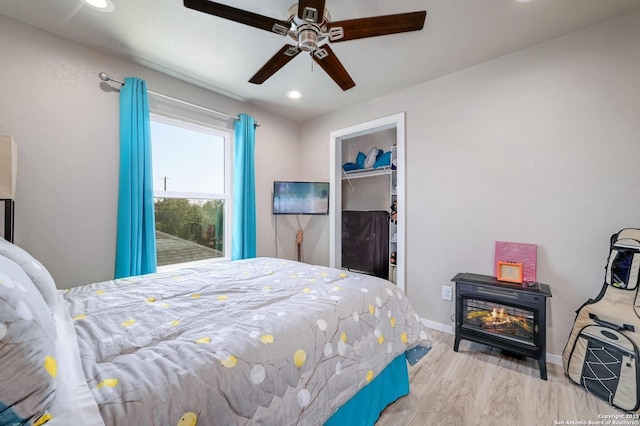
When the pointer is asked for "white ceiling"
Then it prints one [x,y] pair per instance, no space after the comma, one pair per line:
[222,56]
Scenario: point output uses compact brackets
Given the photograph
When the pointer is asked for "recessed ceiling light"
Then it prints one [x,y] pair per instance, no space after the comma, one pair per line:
[522,1]
[102,5]
[294,94]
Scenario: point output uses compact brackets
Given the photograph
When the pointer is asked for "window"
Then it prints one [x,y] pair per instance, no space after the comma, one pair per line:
[191,190]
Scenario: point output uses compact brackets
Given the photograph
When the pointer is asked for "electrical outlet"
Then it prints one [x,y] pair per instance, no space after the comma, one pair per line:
[446,292]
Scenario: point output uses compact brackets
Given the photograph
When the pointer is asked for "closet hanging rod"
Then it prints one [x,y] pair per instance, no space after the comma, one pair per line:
[106,77]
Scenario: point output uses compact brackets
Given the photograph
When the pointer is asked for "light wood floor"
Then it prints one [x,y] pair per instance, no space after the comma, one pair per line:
[480,386]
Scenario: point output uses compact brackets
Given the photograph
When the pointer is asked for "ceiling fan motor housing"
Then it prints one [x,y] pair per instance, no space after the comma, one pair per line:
[307,28]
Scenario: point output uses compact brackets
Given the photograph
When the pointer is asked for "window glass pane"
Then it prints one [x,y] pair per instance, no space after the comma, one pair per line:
[187,160]
[189,229]
[191,188]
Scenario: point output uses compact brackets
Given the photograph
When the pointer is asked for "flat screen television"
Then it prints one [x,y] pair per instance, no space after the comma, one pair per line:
[300,197]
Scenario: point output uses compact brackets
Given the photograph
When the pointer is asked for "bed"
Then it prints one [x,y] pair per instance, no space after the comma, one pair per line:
[259,341]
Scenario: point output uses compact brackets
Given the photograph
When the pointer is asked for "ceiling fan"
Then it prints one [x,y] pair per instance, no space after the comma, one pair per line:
[309,24]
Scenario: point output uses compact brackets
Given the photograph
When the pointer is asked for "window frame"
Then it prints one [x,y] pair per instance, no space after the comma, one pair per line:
[226,135]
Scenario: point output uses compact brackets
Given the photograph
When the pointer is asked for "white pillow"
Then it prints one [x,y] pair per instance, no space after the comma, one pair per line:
[39,275]
[27,348]
[371,158]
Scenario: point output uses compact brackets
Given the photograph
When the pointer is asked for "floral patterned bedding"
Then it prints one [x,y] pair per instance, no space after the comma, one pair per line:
[260,341]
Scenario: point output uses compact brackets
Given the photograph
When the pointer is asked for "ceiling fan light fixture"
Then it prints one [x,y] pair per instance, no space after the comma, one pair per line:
[308,40]
[101,5]
[294,94]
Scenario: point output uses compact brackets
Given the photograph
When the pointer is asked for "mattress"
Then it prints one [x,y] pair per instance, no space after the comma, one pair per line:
[259,341]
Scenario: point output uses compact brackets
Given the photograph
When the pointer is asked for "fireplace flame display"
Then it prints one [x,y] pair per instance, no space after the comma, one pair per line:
[500,317]
[496,319]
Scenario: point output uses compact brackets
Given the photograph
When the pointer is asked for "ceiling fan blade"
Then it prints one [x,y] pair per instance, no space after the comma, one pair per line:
[278,61]
[238,15]
[329,62]
[376,26]
[311,10]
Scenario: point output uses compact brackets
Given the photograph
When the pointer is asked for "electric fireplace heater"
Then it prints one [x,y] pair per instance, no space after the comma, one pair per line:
[508,316]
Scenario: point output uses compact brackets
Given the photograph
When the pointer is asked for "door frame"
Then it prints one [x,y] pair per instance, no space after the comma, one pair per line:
[336,137]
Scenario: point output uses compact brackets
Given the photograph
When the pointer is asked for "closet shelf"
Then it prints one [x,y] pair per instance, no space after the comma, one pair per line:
[381,171]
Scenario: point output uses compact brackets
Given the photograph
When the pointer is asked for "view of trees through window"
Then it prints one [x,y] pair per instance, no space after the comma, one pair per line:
[193,220]
[190,190]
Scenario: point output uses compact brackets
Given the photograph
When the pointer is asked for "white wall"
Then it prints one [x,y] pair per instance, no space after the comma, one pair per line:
[540,146]
[66,128]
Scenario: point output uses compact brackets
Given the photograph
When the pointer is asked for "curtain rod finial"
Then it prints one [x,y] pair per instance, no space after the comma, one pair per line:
[104,76]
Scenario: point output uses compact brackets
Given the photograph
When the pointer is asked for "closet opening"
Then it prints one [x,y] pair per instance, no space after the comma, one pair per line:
[368,183]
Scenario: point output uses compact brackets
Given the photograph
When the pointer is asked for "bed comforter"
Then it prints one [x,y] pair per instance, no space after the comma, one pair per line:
[261,341]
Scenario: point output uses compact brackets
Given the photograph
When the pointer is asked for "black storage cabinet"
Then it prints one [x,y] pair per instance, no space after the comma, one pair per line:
[365,242]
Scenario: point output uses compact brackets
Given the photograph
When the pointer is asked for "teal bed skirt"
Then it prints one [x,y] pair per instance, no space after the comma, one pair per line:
[365,406]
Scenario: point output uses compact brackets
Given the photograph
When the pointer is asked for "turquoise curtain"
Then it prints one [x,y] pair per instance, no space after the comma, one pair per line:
[243,237]
[136,239]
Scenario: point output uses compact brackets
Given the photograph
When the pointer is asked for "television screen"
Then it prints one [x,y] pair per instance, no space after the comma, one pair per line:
[300,197]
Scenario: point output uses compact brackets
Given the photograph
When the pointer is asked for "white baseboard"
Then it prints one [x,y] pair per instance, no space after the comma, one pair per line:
[437,326]
[554,359]
[551,358]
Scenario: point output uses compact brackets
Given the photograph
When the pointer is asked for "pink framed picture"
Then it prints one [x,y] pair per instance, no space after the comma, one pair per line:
[527,254]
